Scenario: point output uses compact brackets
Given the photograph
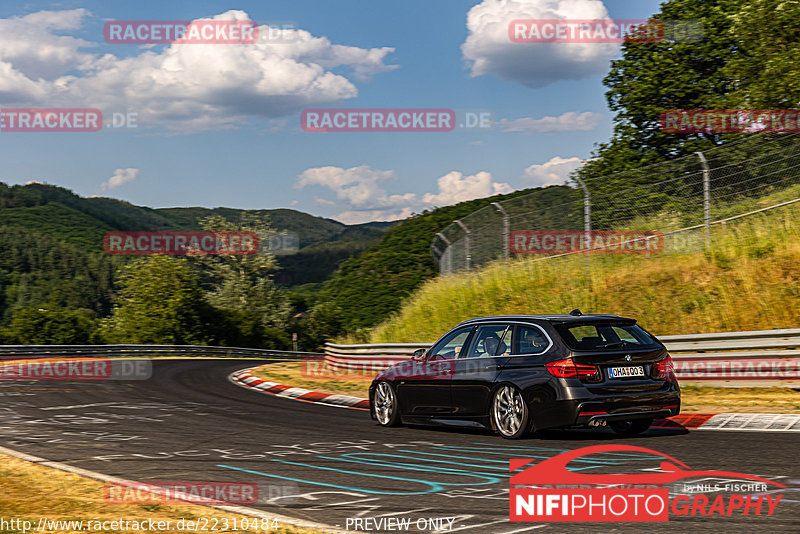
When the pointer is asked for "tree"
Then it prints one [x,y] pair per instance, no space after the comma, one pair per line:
[766,71]
[242,284]
[159,302]
[652,77]
[50,325]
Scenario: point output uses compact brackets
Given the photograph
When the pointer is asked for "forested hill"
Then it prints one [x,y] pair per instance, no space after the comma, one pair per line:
[68,217]
[81,222]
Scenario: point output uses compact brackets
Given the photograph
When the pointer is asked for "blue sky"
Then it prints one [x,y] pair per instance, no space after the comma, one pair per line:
[211,131]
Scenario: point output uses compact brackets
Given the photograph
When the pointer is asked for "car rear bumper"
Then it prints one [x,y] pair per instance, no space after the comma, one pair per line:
[592,420]
[583,411]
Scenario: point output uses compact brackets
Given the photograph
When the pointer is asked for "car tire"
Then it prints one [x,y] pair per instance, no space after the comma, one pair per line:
[510,415]
[630,427]
[384,405]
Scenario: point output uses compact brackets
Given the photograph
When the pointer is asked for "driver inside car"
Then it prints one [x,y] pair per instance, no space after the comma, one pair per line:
[491,344]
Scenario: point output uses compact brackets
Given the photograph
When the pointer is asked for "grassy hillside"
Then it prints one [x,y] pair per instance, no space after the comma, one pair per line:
[748,280]
[369,287]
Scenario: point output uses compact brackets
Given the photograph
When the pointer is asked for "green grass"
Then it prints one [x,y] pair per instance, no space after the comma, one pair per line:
[749,279]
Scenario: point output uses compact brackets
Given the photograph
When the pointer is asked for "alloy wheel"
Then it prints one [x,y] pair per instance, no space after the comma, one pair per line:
[509,410]
[384,403]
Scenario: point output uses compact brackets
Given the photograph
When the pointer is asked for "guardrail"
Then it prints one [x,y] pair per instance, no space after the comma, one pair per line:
[762,355]
[21,352]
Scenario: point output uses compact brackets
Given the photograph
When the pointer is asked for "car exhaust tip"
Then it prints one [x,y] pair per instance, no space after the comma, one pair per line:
[597,422]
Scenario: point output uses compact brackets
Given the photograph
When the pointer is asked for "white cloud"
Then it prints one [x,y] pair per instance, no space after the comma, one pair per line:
[324,201]
[356,187]
[358,217]
[358,191]
[30,48]
[570,121]
[184,87]
[553,172]
[488,49]
[121,176]
[454,187]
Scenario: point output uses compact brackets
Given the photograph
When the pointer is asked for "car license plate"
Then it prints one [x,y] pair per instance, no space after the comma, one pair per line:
[624,372]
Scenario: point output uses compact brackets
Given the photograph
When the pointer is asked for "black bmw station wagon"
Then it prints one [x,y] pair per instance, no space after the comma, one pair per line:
[516,374]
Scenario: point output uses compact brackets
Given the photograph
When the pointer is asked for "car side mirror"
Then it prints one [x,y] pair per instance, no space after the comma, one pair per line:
[418,355]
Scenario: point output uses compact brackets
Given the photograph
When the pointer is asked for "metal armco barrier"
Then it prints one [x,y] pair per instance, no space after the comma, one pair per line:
[21,352]
[762,355]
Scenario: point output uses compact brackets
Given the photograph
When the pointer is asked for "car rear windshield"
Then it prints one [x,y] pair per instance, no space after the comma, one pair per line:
[605,336]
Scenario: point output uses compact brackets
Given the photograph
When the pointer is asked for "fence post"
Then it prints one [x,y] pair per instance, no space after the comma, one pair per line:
[467,253]
[587,207]
[506,228]
[587,219]
[437,255]
[706,196]
[447,251]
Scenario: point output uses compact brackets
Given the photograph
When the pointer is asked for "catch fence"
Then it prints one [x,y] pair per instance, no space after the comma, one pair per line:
[674,214]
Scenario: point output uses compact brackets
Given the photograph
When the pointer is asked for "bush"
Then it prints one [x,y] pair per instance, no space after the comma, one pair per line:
[50,325]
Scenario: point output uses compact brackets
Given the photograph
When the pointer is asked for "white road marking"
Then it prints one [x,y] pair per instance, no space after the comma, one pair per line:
[79,406]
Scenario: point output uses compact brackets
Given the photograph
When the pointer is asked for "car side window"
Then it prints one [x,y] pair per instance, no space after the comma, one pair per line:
[488,342]
[451,345]
[530,340]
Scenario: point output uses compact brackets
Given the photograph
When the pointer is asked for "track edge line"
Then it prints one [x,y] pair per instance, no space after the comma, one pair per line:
[243,510]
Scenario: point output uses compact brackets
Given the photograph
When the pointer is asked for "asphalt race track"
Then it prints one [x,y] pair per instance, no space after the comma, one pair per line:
[188,422]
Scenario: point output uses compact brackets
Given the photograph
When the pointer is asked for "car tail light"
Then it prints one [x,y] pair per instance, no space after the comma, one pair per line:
[664,369]
[569,369]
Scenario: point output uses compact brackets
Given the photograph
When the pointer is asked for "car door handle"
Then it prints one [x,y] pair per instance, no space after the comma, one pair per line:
[492,367]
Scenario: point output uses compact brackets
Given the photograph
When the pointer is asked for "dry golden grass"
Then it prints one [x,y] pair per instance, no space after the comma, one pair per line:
[291,373]
[29,491]
[710,399]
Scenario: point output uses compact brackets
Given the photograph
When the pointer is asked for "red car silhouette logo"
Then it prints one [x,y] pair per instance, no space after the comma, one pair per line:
[553,471]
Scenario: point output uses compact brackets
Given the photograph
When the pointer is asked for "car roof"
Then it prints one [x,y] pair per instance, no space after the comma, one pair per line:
[553,318]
